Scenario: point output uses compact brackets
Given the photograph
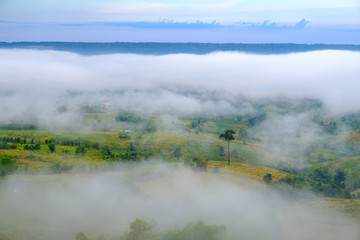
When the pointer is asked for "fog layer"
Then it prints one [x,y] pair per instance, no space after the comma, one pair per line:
[107,203]
[41,81]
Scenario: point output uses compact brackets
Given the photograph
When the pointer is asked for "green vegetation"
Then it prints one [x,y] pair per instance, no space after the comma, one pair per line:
[321,157]
[142,230]
[267,178]
[7,165]
[329,165]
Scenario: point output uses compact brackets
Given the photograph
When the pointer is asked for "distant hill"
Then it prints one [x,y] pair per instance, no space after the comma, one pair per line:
[174,48]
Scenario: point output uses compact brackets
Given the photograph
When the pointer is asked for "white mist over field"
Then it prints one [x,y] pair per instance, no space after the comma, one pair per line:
[107,203]
[41,81]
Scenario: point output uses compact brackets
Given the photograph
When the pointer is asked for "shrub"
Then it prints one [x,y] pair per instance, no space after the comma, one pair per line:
[124,135]
[127,117]
[81,236]
[267,178]
[80,149]
[201,163]
[197,231]
[60,167]
[177,153]
[51,147]
[7,165]
[4,145]
[140,230]
[32,147]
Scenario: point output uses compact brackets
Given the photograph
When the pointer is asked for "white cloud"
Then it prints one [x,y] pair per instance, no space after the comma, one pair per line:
[40,79]
[107,203]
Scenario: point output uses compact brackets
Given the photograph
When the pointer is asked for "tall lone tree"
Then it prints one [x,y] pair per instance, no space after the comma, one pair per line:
[227,136]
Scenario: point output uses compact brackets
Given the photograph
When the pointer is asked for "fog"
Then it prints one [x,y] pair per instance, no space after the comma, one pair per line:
[39,82]
[50,87]
[106,204]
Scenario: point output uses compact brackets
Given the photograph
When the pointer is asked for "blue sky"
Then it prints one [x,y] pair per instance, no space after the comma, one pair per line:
[248,21]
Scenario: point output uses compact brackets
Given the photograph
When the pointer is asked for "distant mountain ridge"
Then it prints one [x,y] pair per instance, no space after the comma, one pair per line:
[148,48]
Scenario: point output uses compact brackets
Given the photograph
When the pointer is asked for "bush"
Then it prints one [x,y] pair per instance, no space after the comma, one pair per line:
[7,165]
[127,117]
[32,147]
[81,236]
[4,145]
[198,231]
[80,149]
[124,135]
[106,152]
[18,126]
[201,163]
[177,153]
[140,230]
[60,167]
[51,147]
[267,178]
[13,145]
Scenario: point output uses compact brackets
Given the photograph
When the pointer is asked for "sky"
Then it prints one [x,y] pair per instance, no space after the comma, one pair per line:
[239,21]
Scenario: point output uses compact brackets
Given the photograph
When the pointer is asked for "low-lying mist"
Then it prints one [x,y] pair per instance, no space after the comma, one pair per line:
[60,206]
[36,84]
[286,100]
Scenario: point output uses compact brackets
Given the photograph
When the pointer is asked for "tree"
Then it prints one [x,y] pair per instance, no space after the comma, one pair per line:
[197,231]
[339,178]
[267,178]
[228,136]
[4,145]
[7,165]
[124,135]
[177,153]
[80,149]
[201,162]
[51,146]
[132,147]
[140,230]
[81,236]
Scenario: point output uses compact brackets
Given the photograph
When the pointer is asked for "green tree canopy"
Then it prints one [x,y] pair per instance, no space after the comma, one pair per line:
[140,230]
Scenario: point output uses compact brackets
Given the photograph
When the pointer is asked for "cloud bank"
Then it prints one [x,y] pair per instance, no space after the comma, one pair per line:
[107,203]
[41,81]
[170,24]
